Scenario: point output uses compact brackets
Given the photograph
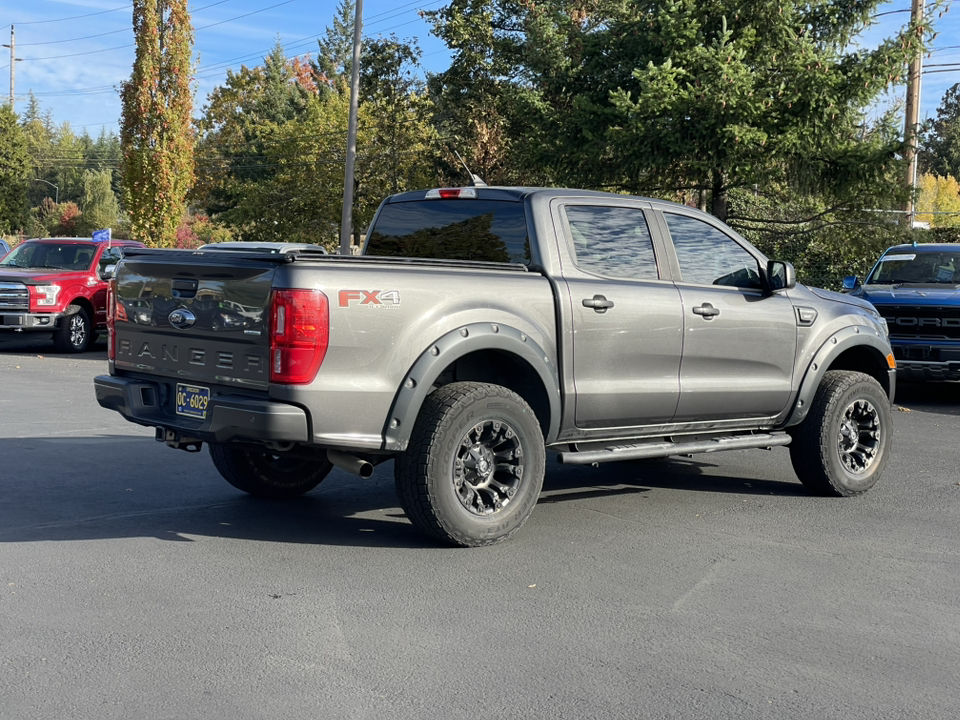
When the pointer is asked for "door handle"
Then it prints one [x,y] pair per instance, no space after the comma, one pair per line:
[598,303]
[706,310]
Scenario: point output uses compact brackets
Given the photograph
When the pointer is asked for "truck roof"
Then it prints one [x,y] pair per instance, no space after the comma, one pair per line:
[518,194]
[84,240]
[925,247]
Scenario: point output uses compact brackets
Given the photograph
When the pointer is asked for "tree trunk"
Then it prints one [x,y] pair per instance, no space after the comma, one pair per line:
[718,196]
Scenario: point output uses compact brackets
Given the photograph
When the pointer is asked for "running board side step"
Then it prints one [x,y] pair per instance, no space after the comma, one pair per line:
[665,449]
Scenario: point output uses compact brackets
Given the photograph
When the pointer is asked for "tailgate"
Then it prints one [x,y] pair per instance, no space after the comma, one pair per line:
[195,316]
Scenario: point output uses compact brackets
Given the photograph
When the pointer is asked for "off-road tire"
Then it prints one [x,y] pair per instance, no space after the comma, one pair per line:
[842,446]
[75,333]
[266,474]
[473,470]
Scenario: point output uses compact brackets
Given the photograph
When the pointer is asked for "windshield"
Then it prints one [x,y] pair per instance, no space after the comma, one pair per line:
[922,268]
[51,256]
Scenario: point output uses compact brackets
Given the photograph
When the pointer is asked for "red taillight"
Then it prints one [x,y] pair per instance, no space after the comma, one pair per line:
[112,320]
[299,334]
[448,193]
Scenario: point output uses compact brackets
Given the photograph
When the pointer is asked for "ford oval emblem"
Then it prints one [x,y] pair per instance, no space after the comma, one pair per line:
[181,318]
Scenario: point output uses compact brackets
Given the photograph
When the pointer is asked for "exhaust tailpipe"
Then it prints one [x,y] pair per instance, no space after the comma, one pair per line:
[350,463]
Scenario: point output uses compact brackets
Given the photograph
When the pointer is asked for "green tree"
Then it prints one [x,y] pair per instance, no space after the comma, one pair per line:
[940,153]
[940,195]
[238,125]
[300,200]
[67,160]
[156,134]
[99,204]
[400,143]
[38,130]
[485,108]
[336,46]
[661,96]
[14,166]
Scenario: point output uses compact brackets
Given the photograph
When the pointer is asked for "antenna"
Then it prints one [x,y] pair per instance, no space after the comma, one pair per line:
[475,180]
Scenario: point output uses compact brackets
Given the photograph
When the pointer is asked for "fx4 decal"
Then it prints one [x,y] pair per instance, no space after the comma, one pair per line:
[370,298]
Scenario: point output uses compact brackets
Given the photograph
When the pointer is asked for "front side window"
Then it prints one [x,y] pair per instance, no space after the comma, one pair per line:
[458,229]
[708,256]
[612,241]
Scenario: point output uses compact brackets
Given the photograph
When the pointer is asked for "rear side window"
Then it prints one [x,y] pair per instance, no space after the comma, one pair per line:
[612,241]
[489,230]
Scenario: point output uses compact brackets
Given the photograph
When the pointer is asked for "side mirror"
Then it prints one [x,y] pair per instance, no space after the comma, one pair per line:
[850,282]
[108,272]
[781,275]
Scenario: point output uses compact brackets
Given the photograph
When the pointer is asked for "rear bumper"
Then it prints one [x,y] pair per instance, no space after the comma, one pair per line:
[28,321]
[229,417]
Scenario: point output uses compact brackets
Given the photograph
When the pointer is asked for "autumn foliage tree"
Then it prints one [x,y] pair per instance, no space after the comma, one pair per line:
[156,133]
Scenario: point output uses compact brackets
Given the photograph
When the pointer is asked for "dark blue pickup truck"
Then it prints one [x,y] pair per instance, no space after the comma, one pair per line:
[916,288]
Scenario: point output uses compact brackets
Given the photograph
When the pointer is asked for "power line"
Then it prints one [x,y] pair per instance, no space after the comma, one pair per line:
[124,47]
[75,17]
[111,32]
[216,68]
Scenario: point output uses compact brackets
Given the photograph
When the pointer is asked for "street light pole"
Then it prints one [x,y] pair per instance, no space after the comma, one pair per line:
[55,188]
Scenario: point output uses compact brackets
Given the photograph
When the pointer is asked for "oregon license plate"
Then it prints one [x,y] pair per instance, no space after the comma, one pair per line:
[192,400]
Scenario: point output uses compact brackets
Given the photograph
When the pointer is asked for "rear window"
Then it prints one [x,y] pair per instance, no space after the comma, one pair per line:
[489,230]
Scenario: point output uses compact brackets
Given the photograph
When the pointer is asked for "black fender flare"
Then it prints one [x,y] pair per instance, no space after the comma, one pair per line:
[456,344]
[838,343]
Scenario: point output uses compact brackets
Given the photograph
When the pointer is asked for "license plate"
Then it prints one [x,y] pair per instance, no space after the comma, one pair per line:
[192,400]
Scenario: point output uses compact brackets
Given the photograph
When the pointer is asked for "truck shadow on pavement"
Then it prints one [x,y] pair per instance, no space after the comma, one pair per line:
[34,344]
[942,398]
[112,487]
[673,473]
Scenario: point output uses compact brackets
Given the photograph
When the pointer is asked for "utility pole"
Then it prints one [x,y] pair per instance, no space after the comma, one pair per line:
[912,117]
[346,217]
[13,63]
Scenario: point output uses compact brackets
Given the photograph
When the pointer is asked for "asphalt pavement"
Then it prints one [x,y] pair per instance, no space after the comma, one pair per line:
[136,583]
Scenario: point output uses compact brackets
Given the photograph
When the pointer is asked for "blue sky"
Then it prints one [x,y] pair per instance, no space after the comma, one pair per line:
[76,52]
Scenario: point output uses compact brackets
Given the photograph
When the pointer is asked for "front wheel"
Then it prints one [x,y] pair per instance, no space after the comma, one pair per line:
[474,467]
[842,446]
[266,474]
[75,333]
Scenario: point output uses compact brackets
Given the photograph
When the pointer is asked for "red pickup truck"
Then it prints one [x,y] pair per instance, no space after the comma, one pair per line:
[59,286]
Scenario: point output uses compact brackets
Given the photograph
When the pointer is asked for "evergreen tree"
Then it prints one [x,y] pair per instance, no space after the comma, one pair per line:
[39,133]
[336,46]
[98,205]
[156,133]
[280,98]
[940,154]
[14,165]
[669,96]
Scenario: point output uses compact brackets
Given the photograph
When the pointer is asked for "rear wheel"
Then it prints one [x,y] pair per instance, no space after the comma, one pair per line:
[266,474]
[842,446]
[75,333]
[474,467]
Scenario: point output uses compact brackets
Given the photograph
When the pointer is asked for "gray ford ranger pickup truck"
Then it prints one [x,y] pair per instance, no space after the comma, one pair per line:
[483,326]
